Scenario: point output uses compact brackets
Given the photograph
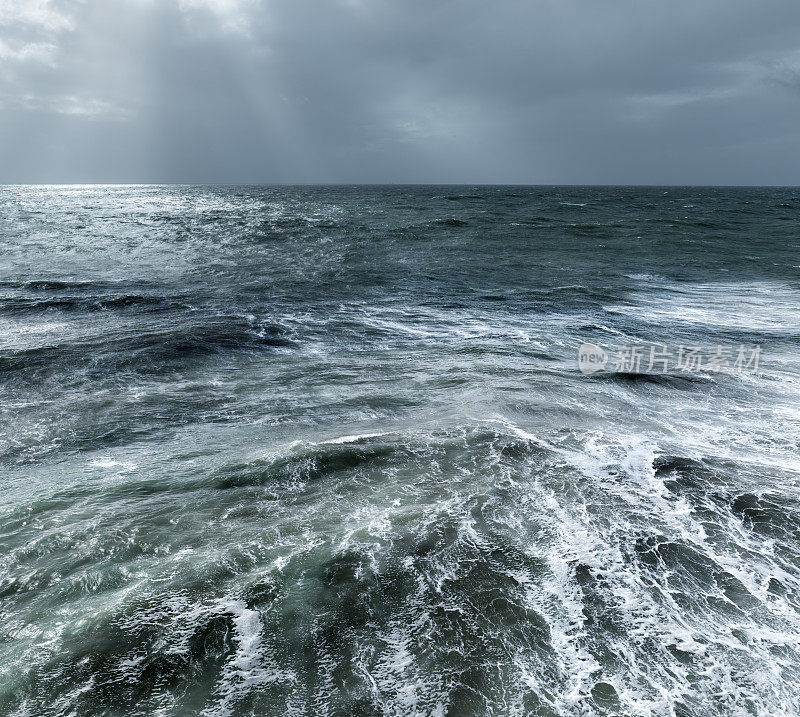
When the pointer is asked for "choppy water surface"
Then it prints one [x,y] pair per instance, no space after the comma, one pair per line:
[326,451]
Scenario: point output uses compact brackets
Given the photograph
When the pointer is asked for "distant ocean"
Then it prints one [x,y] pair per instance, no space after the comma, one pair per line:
[329,451]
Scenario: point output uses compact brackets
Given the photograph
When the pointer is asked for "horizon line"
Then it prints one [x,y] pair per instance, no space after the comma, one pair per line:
[396,184]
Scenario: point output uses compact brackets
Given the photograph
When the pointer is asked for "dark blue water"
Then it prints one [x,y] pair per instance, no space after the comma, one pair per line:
[327,451]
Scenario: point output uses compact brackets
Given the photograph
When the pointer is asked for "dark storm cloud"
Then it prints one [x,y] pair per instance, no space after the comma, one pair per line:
[573,91]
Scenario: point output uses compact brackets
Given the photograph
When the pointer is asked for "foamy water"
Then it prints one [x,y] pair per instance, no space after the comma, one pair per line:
[328,451]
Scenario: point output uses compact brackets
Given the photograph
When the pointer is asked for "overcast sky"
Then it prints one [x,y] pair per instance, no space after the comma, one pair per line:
[475,91]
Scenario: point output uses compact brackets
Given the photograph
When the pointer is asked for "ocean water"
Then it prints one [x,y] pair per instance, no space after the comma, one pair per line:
[328,451]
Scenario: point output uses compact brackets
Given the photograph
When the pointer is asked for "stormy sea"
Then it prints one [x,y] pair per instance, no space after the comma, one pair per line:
[330,451]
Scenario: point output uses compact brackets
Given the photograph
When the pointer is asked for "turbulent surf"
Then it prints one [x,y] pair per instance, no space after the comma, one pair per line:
[328,451]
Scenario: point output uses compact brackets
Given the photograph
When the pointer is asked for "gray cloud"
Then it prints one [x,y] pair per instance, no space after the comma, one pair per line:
[541,91]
